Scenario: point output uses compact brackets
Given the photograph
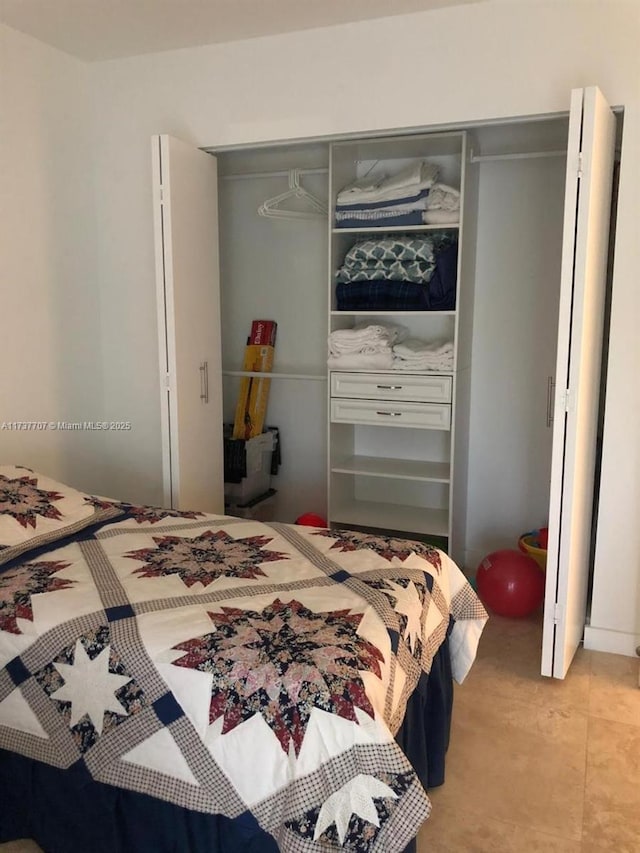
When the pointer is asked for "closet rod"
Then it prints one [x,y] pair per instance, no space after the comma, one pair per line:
[525,155]
[281,173]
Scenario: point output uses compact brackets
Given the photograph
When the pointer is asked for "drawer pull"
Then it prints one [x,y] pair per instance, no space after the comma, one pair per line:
[390,414]
[390,387]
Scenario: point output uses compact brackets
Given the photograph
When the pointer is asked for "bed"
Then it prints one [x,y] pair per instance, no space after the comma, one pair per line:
[180,681]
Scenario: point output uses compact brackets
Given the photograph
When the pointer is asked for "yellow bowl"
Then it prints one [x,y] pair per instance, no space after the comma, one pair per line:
[526,544]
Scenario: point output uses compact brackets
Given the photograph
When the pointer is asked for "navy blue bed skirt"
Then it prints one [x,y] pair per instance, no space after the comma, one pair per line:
[68,812]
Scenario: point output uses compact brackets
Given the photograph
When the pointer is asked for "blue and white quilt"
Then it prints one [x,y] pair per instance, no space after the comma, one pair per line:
[225,665]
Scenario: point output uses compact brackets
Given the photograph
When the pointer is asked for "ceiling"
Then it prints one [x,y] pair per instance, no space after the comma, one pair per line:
[95,30]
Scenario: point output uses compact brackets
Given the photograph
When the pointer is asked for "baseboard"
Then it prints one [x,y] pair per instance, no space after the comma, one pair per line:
[616,642]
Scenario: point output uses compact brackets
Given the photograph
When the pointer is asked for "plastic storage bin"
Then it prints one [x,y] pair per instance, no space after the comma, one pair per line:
[258,452]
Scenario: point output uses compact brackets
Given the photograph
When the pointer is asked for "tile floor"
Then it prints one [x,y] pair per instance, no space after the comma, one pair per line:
[535,765]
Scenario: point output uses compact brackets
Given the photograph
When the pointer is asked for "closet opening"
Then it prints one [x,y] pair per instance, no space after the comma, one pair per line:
[486,481]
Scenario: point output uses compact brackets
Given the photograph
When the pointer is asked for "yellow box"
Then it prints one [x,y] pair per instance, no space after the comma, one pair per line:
[251,409]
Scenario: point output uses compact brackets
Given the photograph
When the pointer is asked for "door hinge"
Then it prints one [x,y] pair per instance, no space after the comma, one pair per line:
[579,171]
[557,612]
[161,194]
[167,380]
[567,400]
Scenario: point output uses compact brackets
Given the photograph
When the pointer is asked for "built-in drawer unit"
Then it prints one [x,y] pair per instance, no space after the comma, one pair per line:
[391,413]
[392,386]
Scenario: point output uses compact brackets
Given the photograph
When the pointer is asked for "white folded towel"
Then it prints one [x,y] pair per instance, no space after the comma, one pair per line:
[372,338]
[356,361]
[440,217]
[443,197]
[415,177]
[414,348]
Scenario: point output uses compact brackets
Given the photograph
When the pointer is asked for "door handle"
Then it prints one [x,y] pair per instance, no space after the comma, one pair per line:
[551,387]
[204,381]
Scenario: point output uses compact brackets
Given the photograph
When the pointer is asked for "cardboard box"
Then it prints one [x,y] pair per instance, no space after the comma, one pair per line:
[251,408]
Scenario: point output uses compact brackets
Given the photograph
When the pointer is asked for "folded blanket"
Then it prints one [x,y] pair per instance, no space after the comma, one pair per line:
[401,247]
[415,200]
[444,197]
[418,271]
[381,295]
[355,361]
[416,176]
[390,219]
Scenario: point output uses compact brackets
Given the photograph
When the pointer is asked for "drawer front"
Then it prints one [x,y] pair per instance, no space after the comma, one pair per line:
[389,413]
[392,386]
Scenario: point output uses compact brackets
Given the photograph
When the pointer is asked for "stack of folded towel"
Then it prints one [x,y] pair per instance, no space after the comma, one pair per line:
[399,272]
[443,207]
[414,354]
[411,197]
[364,347]
[385,201]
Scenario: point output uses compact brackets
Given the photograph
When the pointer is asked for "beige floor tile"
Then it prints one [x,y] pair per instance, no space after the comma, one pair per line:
[516,762]
[454,830]
[508,664]
[22,846]
[612,791]
[614,693]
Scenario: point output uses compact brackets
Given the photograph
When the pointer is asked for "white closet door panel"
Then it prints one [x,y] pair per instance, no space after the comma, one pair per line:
[186,225]
[582,295]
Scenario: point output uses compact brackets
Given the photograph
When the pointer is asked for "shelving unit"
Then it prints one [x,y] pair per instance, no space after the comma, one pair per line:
[393,435]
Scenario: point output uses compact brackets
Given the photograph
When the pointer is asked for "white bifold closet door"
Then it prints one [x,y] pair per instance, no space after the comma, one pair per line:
[587,211]
[185,195]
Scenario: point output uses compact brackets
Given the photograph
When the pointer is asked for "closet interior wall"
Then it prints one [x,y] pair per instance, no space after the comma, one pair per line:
[520,173]
[276,269]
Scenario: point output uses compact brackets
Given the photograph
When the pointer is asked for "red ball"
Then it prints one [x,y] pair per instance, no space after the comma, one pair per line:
[510,583]
[310,519]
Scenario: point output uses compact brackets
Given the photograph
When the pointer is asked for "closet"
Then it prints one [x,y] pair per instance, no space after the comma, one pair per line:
[501,443]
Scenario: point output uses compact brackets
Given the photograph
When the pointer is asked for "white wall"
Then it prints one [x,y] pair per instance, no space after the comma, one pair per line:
[49,318]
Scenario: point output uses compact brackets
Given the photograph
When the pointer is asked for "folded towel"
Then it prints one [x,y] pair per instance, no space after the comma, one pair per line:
[419,349]
[444,197]
[440,217]
[370,211]
[417,176]
[416,200]
[355,361]
[441,366]
[368,339]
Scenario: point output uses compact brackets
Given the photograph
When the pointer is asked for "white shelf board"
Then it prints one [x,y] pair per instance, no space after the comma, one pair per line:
[411,519]
[397,469]
[391,229]
[336,313]
[258,375]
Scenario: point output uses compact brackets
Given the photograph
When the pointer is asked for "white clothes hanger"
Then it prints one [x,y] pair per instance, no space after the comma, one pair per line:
[271,208]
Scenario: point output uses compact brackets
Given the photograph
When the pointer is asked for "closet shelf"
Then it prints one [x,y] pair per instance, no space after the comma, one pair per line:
[365,313]
[319,377]
[387,516]
[400,229]
[397,469]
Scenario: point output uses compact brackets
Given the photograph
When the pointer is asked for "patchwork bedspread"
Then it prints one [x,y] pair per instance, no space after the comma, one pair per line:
[233,667]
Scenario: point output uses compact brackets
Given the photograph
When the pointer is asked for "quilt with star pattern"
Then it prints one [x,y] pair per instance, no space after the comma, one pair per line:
[225,665]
